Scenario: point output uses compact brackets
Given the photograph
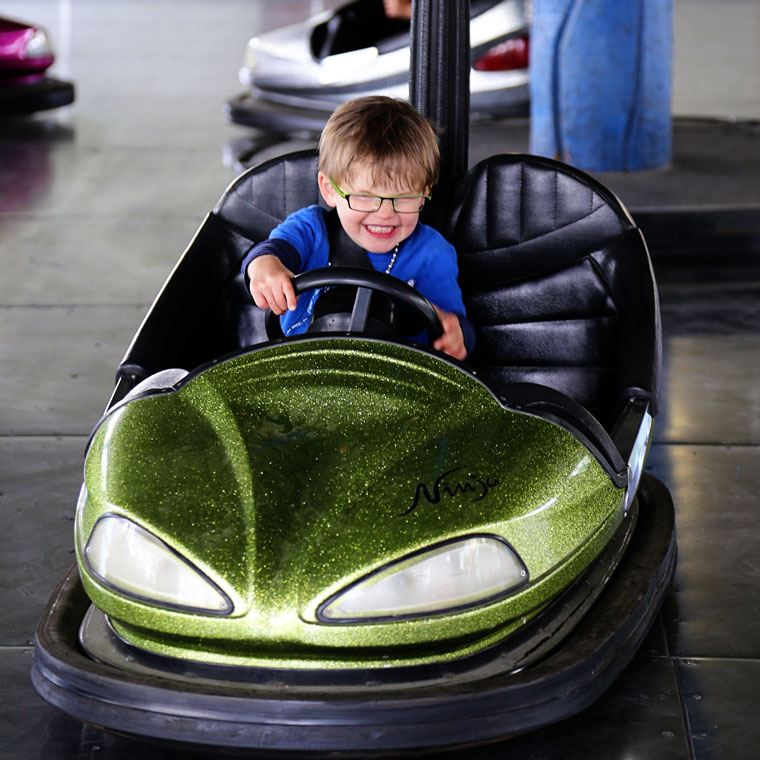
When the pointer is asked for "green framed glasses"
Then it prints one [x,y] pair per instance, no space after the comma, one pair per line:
[402,204]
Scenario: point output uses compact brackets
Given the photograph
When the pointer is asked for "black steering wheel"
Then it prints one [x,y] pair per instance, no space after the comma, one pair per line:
[365,281]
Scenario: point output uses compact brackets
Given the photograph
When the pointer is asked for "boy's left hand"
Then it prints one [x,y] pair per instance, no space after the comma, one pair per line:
[452,340]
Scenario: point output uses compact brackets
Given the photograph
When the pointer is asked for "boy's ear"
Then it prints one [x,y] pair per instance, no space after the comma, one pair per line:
[326,188]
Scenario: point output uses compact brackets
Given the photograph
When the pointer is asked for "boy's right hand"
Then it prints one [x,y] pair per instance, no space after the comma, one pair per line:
[271,285]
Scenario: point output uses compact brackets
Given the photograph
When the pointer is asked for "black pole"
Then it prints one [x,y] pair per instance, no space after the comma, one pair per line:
[439,82]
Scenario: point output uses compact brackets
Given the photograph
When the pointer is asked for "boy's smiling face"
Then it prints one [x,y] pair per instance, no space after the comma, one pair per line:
[376,231]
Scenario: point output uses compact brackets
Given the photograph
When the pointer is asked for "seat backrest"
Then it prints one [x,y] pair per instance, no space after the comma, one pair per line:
[557,281]
[256,202]
[260,198]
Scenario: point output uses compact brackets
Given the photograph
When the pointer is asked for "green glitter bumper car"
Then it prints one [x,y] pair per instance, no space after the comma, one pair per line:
[347,542]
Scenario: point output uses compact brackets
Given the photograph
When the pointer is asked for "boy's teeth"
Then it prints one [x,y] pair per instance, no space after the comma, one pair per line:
[376,228]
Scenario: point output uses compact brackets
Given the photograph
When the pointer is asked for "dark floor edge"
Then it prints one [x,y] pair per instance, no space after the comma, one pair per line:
[699,234]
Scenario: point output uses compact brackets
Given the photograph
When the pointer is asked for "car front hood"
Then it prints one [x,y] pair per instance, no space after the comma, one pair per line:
[290,472]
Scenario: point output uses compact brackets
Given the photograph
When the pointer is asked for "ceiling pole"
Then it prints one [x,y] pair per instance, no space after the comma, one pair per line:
[439,84]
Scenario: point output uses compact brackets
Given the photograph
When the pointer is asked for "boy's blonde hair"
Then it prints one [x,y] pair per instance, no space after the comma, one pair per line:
[389,135]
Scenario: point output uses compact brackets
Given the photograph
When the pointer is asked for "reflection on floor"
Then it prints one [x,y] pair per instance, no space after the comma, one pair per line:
[97,202]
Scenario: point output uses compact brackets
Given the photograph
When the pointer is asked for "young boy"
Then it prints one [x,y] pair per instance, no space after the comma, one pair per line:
[378,160]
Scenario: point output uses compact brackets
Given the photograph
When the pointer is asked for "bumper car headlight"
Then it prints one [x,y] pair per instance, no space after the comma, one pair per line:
[38,45]
[134,562]
[452,576]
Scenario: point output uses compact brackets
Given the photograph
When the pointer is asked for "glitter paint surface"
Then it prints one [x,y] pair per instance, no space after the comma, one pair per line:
[288,473]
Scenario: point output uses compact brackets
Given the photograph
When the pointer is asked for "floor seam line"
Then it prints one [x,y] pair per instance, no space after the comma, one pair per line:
[684,709]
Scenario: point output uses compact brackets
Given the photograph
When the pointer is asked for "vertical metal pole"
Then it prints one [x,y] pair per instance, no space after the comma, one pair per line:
[439,83]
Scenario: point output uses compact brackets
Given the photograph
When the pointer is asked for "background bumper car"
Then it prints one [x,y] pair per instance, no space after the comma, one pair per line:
[347,542]
[297,75]
[25,56]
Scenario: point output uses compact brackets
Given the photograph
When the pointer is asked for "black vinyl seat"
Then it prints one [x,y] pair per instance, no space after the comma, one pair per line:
[557,280]
[555,275]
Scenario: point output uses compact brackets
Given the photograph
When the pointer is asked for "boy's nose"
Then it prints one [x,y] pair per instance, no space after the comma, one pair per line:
[386,207]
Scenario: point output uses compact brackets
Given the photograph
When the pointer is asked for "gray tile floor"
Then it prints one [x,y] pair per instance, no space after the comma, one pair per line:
[97,202]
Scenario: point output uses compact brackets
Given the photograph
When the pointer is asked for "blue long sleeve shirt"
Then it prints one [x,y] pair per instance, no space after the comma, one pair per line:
[425,260]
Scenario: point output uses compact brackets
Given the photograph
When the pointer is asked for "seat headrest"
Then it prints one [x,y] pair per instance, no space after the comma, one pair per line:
[263,196]
[545,213]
